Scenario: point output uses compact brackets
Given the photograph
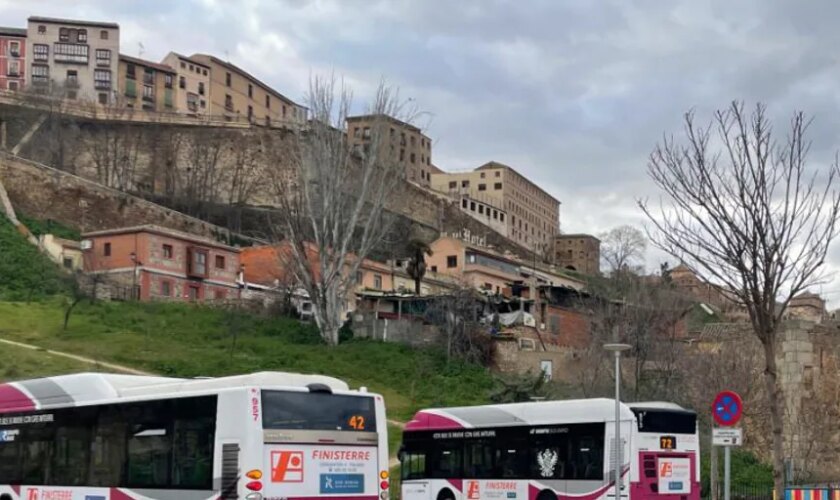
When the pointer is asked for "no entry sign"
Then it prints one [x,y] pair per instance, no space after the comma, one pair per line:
[727,408]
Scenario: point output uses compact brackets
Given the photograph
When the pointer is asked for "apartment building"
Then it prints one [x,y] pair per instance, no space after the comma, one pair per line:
[163,264]
[12,58]
[146,85]
[475,266]
[404,144]
[76,59]
[192,93]
[238,95]
[533,214]
[487,214]
[578,252]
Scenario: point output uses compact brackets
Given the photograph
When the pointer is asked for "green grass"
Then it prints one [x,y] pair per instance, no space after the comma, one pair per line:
[20,363]
[39,227]
[186,340]
[24,272]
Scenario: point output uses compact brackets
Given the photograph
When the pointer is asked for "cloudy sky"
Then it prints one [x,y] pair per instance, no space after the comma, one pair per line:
[573,94]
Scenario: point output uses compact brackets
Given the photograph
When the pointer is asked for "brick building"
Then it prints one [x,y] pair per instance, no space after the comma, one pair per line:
[533,214]
[146,85]
[403,143]
[12,58]
[578,252]
[156,263]
[476,266]
[78,58]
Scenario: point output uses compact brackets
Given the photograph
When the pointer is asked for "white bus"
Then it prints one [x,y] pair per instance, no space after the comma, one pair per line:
[261,436]
[551,450]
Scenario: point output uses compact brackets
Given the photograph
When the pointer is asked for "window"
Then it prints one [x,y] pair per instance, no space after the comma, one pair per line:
[14,49]
[197,262]
[103,35]
[106,250]
[182,83]
[42,29]
[167,251]
[103,98]
[495,214]
[377,282]
[200,87]
[228,102]
[250,91]
[250,112]
[481,209]
[167,81]
[268,102]
[64,35]
[67,262]
[13,69]
[220,262]
[501,216]
[165,289]
[434,269]
[192,68]
[102,78]
[204,72]
[482,175]
[412,157]
[317,411]
[183,65]
[72,78]
[71,53]
[194,293]
[472,206]
[453,185]
[130,71]
[366,133]
[227,79]
[103,57]
[359,279]
[482,187]
[82,37]
[452,261]
[13,85]
[412,141]
[40,73]
[203,104]
[149,76]
[40,52]
[497,186]
[284,111]
[465,184]
[546,367]
[402,155]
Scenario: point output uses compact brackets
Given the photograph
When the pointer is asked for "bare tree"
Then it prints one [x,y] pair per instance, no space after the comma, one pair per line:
[623,248]
[458,315]
[114,147]
[745,212]
[332,198]
[202,170]
[245,175]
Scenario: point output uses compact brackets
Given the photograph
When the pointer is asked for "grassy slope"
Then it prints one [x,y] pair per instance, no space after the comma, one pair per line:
[19,363]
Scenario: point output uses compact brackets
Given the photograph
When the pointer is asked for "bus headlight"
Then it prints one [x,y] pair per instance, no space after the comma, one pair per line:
[384,495]
[383,475]
[254,496]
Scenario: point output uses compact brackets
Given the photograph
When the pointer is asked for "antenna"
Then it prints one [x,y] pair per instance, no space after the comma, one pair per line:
[140,49]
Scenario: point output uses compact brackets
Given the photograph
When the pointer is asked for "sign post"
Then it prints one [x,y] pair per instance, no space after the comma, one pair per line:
[726,411]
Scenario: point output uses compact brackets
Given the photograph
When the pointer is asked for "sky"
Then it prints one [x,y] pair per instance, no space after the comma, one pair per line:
[572,94]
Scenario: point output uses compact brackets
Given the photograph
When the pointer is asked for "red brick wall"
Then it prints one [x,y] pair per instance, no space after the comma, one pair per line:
[566,327]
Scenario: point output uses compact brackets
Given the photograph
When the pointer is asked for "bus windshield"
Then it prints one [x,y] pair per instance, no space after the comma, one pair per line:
[666,421]
[318,411]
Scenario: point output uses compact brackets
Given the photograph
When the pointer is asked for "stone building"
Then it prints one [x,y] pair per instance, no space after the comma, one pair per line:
[578,252]
[807,306]
[78,58]
[155,263]
[533,214]
[192,93]
[402,143]
[146,85]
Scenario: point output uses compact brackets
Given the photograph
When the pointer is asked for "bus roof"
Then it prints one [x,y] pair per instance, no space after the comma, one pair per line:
[655,405]
[86,388]
[541,413]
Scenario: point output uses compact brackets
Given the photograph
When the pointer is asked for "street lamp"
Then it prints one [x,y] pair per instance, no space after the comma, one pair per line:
[617,349]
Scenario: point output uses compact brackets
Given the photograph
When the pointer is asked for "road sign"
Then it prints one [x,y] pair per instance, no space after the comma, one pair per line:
[727,436]
[727,408]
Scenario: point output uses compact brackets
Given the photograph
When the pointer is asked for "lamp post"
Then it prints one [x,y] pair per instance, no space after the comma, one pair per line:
[134,294]
[617,349]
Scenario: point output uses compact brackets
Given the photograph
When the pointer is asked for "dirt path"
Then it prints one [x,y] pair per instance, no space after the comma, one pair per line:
[82,359]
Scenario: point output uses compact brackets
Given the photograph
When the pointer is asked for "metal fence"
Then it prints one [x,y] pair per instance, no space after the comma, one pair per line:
[757,491]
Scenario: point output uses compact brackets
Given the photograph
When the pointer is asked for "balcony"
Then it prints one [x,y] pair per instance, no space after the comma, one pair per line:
[103,62]
[102,84]
[14,53]
[70,53]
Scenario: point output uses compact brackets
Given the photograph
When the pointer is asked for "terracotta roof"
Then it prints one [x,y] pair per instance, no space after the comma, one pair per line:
[143,62]
[72,22]
[151,228]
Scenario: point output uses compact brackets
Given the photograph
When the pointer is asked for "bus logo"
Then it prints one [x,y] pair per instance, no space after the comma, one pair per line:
[286,466]
[32,494]
[666,469]
[472,491]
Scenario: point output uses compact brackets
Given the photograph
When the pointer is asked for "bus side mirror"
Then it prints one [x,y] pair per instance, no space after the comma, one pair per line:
[401,454]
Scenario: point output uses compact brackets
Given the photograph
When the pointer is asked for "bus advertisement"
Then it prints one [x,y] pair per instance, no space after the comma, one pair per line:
[261,436]
[550,450]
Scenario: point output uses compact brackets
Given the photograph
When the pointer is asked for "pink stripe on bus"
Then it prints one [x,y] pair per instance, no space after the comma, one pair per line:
[431,421]
[13,399]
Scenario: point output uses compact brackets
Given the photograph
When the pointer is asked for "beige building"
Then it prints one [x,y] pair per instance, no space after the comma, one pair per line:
[489,215]
[146,85]
[238,95]
[533,215]
[405,144]
[192,84]
[77,58]
[578,252]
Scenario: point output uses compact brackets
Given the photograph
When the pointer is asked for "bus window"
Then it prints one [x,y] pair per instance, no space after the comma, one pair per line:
[511,459]
[445,461]
[479,459]
[318,411]
[664,421]
[413,463]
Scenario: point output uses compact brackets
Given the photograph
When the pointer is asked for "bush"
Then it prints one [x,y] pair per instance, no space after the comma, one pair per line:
[25,273]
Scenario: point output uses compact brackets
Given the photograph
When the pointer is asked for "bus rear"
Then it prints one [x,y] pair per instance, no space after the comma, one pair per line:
[320,444]
[667,448]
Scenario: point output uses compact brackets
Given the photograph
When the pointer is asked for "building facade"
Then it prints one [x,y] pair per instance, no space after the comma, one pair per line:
[578,252]
[157,263]
[402,143]
[73,59]
[476,267]
[146,85]
[238,95]
[192,92]
[13,68]
[487,214]
[533,214]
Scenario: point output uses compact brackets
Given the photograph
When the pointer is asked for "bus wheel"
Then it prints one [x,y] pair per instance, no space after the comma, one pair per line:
[546,495]
[446,494]
[5,496]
